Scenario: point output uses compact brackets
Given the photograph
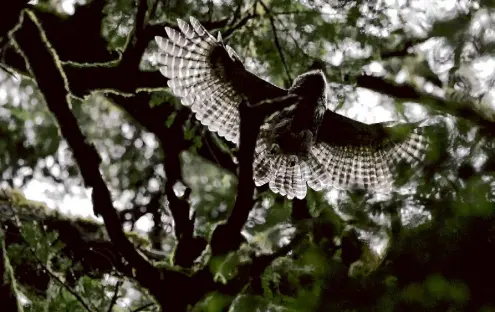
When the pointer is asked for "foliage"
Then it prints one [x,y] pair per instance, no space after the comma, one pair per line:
[171,185]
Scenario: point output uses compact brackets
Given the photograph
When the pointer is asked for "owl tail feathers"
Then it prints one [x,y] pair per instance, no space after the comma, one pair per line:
[285,174]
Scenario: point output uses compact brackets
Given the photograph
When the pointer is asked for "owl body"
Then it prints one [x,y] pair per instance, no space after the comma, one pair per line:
[294,129]
[303,145]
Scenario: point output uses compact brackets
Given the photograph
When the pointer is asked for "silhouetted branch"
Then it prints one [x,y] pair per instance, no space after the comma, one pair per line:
[300,210]
[144,307]
[166,285]
[173,143]
[227,237]
[44,68]
[408,92]
[60,282]
[138,40]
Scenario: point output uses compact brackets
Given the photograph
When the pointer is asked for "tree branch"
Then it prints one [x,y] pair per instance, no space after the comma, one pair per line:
[226,34]
[80,54]
[44,68]
[227,237]
[277,42]
[115,296]
[188,246]
[408,92]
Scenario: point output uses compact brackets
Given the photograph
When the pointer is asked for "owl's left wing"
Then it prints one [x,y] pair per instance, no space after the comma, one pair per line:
[349,153]
[210,77]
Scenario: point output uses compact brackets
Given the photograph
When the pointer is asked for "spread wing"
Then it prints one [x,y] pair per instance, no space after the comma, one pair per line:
[209,77]
[349,153]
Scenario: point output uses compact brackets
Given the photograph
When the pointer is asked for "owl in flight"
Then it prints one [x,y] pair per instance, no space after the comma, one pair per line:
[303,144]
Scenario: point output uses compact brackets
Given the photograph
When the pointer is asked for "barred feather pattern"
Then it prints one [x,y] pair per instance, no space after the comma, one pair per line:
[371,168]
[367,167]
[185,58]
[200,80]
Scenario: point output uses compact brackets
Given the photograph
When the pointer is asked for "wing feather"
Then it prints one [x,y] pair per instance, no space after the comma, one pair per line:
[209,77]
[366,156]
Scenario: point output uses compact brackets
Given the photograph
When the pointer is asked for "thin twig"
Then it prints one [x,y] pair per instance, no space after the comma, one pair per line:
[277,42]
[239,25]
[115,296]
[75,294]
[153,9]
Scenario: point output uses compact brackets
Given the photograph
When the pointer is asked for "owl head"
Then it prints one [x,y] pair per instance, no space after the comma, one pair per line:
[310,85]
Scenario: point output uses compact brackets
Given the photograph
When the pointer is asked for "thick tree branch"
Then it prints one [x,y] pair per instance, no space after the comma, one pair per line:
[227,237]
[44,68]
[408,92]
[300,210]
[85,79]
[188,246]
[117,73]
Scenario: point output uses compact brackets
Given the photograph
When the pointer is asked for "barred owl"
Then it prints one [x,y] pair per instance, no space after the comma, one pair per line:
[302,145]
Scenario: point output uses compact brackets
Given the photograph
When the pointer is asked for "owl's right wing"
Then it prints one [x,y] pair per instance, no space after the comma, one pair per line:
[349,153]
[210,77]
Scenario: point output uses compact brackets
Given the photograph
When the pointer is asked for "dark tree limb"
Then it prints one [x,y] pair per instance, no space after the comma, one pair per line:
[227,237]
[44,68]
[173,143]
[104,72]
[407,92]
[138,41]
[167,286]
[85,79]
[300,210]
